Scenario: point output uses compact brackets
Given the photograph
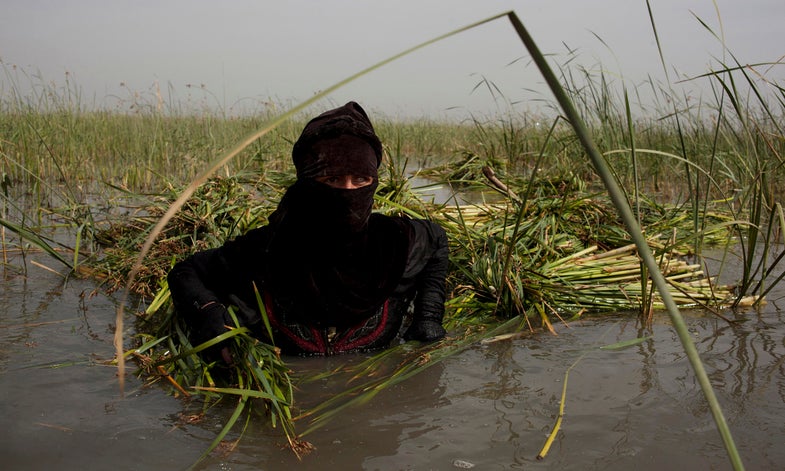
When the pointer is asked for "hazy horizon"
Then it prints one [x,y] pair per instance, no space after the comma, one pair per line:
[239,55]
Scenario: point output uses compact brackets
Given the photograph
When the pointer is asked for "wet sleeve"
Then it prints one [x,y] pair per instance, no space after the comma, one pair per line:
[204,284]
[195,281]
[426,271]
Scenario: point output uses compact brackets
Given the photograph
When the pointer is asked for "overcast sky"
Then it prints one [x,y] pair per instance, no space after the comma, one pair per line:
[247,52]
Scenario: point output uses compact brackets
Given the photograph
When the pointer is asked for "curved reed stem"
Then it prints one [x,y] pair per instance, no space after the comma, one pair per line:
[634,230]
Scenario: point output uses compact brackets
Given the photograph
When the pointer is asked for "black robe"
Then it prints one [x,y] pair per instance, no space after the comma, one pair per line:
[325,290]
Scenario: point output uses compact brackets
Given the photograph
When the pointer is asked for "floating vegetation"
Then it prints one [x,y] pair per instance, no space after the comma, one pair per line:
[556,246]
[567,258]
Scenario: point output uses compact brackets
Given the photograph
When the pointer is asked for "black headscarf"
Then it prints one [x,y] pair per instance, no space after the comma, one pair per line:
[330,261]
[348,121]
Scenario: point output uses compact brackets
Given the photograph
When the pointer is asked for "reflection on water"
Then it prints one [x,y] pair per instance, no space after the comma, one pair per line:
[442,193]
[60,406]
[491,406]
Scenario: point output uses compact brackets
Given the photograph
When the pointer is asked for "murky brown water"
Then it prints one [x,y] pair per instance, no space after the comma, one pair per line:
[491,406]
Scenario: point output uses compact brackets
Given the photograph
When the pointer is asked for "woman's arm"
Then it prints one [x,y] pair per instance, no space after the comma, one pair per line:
[190,282]
[196,286]
[206,282]
[427,267]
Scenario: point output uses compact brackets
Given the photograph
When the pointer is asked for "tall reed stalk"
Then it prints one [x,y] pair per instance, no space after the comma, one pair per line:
[635,233]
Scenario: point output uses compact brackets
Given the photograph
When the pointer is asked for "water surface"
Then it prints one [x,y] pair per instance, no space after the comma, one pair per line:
[491,406]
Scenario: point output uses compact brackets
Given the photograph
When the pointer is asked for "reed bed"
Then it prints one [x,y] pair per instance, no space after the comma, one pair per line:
[553,275]
[548,246]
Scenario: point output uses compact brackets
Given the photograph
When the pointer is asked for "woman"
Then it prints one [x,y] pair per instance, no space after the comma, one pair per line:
[333,276]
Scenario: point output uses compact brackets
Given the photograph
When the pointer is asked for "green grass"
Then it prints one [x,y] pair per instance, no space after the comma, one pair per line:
[693,174]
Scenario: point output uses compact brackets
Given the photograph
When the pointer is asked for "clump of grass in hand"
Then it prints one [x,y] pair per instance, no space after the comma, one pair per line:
[257,375]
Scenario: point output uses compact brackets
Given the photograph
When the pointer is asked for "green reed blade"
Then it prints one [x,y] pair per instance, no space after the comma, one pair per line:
[38,240]
[225,430]
[635,233]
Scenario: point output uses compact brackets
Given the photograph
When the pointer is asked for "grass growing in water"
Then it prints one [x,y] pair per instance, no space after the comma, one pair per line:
[550,263]
[520,260]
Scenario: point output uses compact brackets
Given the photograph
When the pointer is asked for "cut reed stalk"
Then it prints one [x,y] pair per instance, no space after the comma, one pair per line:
[559,246]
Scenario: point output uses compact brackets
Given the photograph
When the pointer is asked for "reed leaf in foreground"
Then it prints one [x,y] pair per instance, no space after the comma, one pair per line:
[36,239]
[411,360]
[635,232]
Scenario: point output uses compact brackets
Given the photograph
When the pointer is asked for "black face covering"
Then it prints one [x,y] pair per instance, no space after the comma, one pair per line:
[323,219]
[331,263]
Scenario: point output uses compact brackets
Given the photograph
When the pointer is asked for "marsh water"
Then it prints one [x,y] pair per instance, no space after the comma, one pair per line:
[488,407]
